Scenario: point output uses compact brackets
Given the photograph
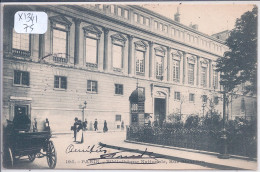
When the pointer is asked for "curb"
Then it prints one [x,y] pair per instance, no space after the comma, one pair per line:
[182,160]
[190,150]
[60,133]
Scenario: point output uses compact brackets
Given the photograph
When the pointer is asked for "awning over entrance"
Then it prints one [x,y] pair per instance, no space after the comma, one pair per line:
[137,96]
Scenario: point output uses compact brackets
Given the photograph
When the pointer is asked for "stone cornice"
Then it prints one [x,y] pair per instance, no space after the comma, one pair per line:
[120,22]
[176,23]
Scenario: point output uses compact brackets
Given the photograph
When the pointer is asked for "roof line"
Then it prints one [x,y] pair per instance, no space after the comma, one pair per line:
[175,23]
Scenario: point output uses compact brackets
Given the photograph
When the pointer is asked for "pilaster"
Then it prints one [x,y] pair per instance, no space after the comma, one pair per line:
[151,60]
[105,60]
[77,40]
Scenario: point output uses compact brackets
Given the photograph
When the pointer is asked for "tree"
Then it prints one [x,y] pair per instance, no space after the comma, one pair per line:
[239,64]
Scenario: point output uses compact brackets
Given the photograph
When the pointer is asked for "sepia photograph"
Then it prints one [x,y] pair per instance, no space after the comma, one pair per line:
[129,86]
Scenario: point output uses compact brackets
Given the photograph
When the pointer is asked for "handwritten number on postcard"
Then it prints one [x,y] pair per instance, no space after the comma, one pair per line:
[30,22]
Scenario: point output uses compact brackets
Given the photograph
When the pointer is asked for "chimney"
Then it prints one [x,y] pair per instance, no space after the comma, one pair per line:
[177,15]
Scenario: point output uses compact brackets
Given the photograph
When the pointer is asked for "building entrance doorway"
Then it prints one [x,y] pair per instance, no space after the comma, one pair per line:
[21,110]
[159,110]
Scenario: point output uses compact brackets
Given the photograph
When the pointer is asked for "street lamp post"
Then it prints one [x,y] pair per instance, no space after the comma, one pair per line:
[83,107]
[223,151]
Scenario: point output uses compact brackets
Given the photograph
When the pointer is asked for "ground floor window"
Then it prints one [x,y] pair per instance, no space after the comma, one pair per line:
[204,98]
[118,117]
[177,95]
[92,86]
[119,89]
[191,97]
[21,78]
[60,82]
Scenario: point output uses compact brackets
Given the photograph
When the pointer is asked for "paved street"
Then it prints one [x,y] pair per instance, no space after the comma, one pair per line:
[67,158]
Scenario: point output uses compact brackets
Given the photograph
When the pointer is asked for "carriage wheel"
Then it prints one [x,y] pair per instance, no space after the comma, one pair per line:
[32,157]
[51,155]
[8,158]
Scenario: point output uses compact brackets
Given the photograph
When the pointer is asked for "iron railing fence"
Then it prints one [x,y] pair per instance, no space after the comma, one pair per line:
[238,142]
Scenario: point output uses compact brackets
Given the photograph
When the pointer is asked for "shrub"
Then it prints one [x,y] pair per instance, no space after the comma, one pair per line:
[192,121]
[212,121]
[175,121]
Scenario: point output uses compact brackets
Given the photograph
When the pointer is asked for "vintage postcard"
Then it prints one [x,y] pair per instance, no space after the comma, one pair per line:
[165,86]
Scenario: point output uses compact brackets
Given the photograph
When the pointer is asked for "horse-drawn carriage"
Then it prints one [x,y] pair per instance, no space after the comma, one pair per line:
[18,144]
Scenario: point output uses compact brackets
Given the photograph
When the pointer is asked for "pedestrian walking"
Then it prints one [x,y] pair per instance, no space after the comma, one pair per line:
[35,125]
[74,128]
[85,124]
[105,129]
[96,125]
[47,125]
[79,138]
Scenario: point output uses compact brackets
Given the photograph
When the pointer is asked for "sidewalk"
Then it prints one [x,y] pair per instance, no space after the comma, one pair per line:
[182,155]
[87,131]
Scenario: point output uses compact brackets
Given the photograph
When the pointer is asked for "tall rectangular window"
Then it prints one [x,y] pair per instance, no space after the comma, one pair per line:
[176,70]
[147,22]
[177,95]
[191,97]
[126,14]
[117,56]
[215,79]
[112,9]
[156,25]
[119,11]
[141,19]
[21,41]
[136,17]
[92,86]
[21,78]
[191,74]
[91,50]
[59,43]
[60,82]
[140,61]
[159,66]
[173,32]
[178,33]
[203,76]
[165,29]
[119,89]
[161,27]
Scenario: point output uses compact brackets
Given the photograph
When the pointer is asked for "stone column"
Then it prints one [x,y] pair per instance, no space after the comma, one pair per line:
[169,62]
[184,67]
[151,60]
[210,68]
[198,71]
[77,41]
[41,46]
[106,31]
[130,54]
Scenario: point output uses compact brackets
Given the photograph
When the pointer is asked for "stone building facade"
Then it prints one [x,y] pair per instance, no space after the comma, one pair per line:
[99,54]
